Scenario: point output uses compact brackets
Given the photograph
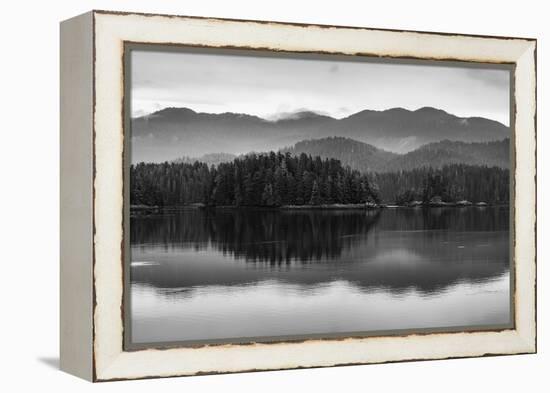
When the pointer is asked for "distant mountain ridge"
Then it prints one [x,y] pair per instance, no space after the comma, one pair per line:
[352,153]
[367,158]
[439,154]
[209,159]
[176,132]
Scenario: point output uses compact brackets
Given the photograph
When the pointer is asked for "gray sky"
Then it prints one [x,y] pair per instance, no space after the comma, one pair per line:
[270,86]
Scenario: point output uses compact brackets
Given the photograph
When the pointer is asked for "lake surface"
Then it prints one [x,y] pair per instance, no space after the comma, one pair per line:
[240,273]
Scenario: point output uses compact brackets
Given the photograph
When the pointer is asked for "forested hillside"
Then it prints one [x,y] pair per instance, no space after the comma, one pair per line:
[358,155]
[267,179]
[367,158]
[439,154]
[451,183]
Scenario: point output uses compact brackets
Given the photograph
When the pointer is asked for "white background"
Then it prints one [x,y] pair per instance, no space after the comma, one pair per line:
[29,197]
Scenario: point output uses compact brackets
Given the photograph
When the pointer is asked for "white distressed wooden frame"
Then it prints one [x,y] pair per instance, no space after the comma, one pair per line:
[92,195]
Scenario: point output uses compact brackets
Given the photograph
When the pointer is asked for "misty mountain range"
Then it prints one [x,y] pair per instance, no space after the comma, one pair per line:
[367,158]
[388,136]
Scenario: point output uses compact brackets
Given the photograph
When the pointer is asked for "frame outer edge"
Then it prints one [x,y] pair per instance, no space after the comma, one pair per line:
[115,365]
[76,196]
[526,199]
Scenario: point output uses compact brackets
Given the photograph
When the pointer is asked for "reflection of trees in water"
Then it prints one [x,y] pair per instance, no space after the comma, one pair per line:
[365,248]
[440,218]
[279,237]
[272,236]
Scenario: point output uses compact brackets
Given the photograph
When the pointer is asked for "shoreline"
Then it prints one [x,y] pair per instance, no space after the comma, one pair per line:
[154,209]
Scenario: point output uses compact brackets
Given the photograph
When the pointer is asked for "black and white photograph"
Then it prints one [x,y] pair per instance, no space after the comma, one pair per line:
[279,196]
[209,196]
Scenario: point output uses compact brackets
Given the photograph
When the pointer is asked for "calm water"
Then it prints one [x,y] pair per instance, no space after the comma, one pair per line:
[221,274]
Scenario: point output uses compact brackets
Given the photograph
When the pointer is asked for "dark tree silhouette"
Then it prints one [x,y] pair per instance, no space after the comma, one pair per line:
[277,179]
[267,179]
[450,183]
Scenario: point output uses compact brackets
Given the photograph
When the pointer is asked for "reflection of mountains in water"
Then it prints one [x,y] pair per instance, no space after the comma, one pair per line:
[392,249]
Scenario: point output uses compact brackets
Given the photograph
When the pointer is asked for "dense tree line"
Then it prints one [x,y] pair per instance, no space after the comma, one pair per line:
[266,179]
[276,179]
[451,183]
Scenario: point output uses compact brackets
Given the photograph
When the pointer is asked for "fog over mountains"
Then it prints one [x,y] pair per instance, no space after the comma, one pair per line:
[367,158]
[174,133]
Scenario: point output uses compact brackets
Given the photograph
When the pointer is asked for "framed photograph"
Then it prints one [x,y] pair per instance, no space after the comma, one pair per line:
[248,195]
